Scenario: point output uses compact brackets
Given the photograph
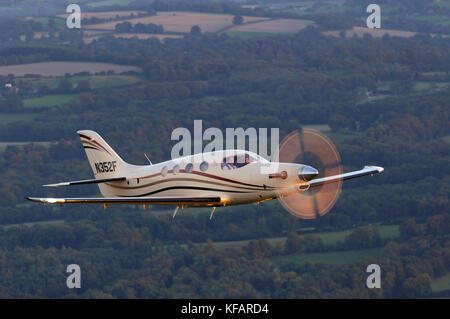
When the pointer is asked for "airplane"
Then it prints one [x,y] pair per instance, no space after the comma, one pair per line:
[193,181]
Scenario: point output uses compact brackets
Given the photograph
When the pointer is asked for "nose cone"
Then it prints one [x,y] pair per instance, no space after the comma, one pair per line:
[307,173]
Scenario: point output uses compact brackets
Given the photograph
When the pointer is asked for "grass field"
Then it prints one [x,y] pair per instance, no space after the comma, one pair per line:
[141,36]
[4,145]
[376,33]
[441,284]
[341,137]
[425,86]
[446,138]
[10,118]
[435,19]
[248,35]
[339,257]
[318,127]
[44,21]
[106,3]
[329,238]
[96,81]
[105,14]
[49,100]
[50,222]
[273,26]
[58,68]
[177,21]
[374,98]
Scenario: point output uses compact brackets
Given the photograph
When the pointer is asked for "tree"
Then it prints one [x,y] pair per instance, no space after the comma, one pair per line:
[294,243]
[64,86]
[439,224]
[238,19]
[12,103]
[83,86]
[195,30]
[409,228]
[258,248]
[151,11]
[363,237]
[338,122]
[418,286]
[314,243]
[140,28]
[124,27]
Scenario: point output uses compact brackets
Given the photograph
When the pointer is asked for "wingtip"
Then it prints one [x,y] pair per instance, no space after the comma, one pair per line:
[57,184]
[46,200]
[379,169]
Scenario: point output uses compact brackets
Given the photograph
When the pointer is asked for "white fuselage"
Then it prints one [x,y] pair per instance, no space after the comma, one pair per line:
[234,184]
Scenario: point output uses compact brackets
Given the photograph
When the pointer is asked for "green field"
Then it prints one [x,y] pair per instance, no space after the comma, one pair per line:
[10,118]
[49,100]
[434,18]
[248,35]
[374,98]
[329,238]
[342,137]
[44,21]
[99,81]
[425,86]
[385,87]
[106,3]
[339,257]
[441,284]
[50,222]
[96,81]
[386,232]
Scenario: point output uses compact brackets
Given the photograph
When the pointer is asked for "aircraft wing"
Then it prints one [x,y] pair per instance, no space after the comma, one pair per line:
[367,170]
[190,201]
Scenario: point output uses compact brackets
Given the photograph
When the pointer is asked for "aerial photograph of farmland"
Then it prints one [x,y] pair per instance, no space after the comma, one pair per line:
[368,80]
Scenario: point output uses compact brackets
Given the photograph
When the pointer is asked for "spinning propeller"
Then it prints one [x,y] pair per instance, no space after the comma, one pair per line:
[321,159]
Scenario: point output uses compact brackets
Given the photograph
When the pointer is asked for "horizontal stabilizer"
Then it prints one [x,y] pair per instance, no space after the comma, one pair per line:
[367,170]
[87,181]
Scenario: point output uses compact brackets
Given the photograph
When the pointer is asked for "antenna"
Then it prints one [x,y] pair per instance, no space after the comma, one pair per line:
[148,159]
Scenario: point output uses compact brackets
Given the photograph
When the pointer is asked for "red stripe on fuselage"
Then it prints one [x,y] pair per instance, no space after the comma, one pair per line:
[227,180]
[211,176]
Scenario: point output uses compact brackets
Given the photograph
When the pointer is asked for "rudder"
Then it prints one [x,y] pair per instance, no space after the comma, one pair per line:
[104,161]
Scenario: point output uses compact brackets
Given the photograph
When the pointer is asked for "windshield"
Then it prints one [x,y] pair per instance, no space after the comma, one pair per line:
[240,160]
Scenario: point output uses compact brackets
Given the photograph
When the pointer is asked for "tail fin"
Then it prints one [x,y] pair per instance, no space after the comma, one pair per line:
[104,161]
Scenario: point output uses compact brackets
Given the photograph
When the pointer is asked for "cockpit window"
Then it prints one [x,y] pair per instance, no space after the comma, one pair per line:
[238,161]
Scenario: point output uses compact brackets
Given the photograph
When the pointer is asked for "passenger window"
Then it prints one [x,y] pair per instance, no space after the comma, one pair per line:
[176,169]
[164,171]
[189,168]
[204,166]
